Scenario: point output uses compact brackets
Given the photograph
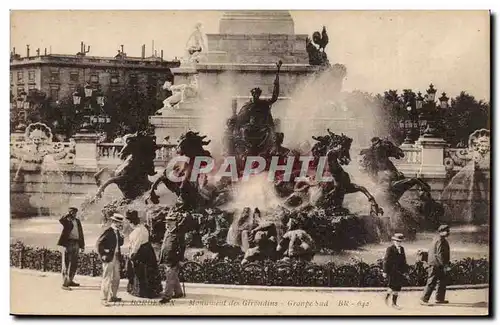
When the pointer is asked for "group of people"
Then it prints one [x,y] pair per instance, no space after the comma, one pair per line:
[141,262]
[438,258]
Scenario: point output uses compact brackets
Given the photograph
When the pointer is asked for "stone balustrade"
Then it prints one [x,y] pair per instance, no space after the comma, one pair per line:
[413,156]
[108,153]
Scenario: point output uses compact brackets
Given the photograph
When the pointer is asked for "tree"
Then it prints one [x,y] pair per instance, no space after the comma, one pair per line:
[464,116]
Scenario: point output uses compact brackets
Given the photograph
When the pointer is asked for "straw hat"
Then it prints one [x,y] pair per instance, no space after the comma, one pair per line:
[117,217]
[398,237]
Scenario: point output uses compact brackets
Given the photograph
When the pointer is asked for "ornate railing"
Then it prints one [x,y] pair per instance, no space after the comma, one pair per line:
[61,152]
[413,156]
[111,150]
[456,158]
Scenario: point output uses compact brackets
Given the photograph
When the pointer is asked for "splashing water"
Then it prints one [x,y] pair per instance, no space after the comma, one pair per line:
[52,180]
[257,192]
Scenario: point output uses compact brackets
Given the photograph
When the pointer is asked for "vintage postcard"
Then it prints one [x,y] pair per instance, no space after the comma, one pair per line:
[251,162]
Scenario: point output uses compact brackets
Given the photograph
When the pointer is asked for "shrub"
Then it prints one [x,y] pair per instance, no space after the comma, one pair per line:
[280,273]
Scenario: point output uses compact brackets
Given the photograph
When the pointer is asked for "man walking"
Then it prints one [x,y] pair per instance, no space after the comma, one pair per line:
[73,242]
[172,253]
[108,247]
[439,259]
[394,269]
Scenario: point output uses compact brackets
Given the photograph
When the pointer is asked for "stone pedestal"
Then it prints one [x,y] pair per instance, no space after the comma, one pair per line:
[432,165]
[86,149]
[256,22]
[257,37]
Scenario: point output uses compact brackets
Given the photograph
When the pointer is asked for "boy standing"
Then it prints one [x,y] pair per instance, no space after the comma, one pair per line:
[394,269]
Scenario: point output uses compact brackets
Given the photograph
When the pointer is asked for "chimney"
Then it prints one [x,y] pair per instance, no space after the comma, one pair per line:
[38,52]
[155,54]
[82,48]
[161,55]
[13,50]
[143,52]
[45,52]
[27,51]
[122,49]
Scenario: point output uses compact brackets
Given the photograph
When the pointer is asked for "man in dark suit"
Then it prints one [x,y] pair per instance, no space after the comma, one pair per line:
[172,251]
[395,268]
[108,247]
[73,242]
[439,260]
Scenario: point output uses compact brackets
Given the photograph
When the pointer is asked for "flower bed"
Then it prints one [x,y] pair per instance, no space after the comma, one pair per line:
[269,273]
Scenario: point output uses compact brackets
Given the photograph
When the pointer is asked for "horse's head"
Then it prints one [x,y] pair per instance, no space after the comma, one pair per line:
[129,146]
[191,145]
[321,146]
[388,149]
[341,146]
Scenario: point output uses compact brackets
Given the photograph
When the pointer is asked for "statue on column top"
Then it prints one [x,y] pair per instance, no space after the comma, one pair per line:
[196,46]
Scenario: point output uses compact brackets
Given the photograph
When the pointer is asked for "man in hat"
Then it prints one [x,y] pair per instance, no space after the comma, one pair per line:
[439,260]
[172,252]
[394,269]
[108,247]
[73,242]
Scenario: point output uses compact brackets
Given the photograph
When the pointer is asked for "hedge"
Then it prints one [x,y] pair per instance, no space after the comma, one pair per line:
[267,273]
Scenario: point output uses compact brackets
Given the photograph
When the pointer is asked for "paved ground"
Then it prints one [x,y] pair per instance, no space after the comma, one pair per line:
[40,293]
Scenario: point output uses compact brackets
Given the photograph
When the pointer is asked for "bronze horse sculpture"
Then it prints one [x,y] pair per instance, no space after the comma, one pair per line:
[131,176]
[336,149]
[377,164]
[193,195]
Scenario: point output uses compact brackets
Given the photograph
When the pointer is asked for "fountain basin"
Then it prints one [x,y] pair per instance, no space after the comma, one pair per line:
[36,191]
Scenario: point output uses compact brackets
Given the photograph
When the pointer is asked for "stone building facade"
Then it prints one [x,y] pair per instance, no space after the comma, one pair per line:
[59,76]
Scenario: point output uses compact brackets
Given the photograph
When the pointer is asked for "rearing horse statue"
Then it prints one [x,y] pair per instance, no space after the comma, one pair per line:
[189,192]
[376,163]
[336,149]
[131,176]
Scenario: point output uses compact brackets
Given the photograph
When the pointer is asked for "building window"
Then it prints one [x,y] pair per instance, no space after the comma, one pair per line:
[20,90]
[54,76]
[31,87]
[94,78]
[31,75]
[74,76]
[132,79]
[11,78]
[19,76]
[114,80]
[54,93]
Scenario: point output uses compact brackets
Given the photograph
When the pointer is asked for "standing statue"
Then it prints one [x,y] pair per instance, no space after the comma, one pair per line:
[196,46]
[316,48]
[254,122]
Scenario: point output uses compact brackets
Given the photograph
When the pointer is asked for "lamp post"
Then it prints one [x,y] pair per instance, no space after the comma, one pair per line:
[429,118]
[410,125]
[22,106]
[94,116]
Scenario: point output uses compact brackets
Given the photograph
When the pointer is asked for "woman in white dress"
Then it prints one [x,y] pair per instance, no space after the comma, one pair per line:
[143,274]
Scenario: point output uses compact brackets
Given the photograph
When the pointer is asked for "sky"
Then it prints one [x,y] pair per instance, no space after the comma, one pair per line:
[381,49]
